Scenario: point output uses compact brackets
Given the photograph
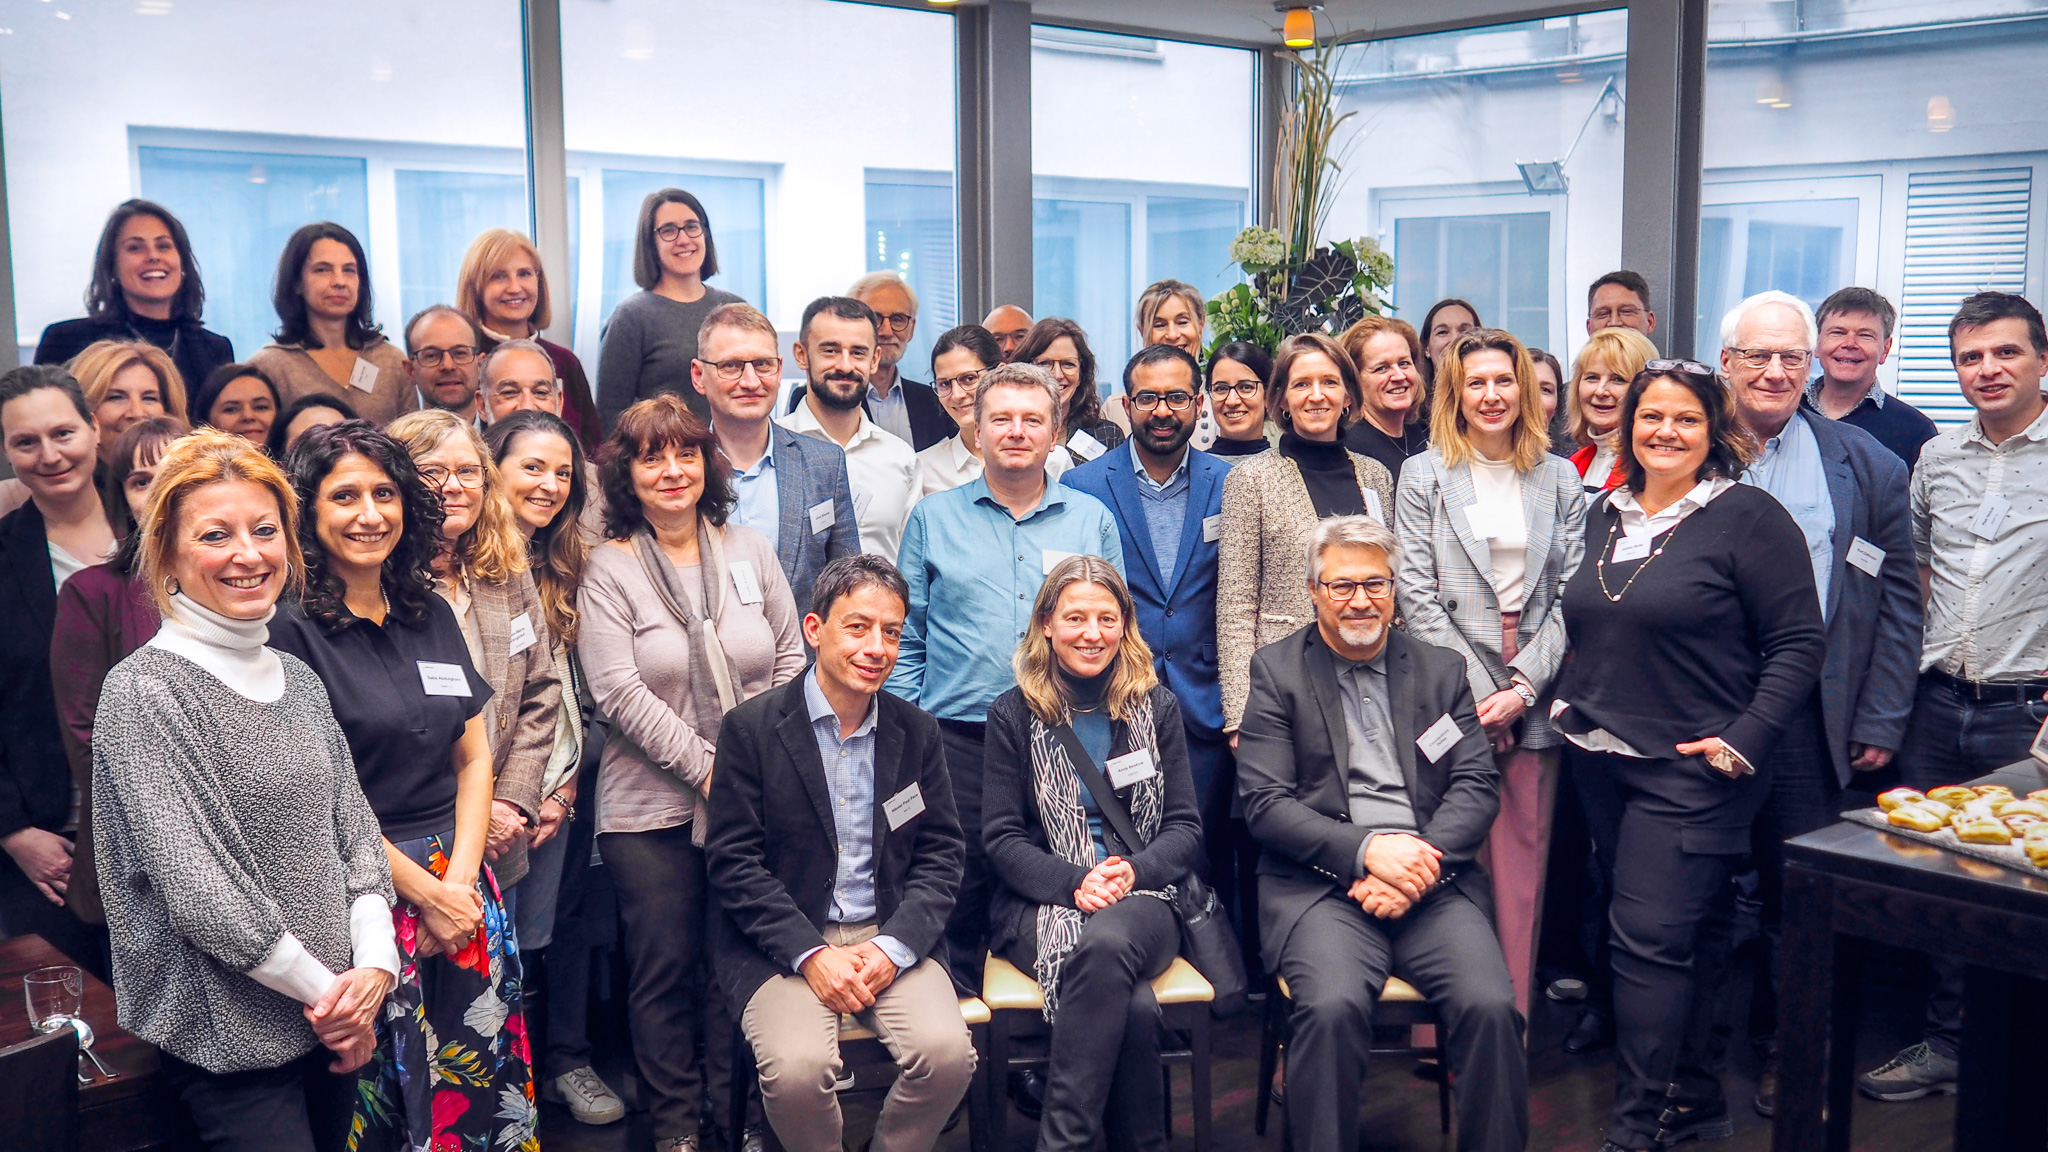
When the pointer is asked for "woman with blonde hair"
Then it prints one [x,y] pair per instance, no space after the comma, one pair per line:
[1600,378]
[481,570]
[1172,312]
[1491,527]
[126,382]
[1089,728]
[503,285]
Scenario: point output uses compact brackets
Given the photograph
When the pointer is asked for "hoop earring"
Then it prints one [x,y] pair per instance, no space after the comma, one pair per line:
[172,587]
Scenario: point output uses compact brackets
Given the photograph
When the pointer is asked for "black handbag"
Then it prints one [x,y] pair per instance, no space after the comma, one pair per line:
[1207,938]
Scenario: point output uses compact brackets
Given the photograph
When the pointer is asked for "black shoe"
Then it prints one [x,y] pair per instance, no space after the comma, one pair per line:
[1767,1089]
[1027,1092]
[1593,1032]
[1697,1122]
[1565,990]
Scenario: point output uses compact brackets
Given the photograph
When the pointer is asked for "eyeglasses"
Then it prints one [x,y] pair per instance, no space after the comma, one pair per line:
[431,357]
[1377,587]
[966,381]
[1066,367]
[1174,401]
[1689,367]
[1794,359]
[1243,389]
[766,368]
[667,233]
[900,321]
[469,476]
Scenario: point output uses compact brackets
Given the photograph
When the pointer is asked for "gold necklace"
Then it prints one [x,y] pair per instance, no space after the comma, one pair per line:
[1600,561]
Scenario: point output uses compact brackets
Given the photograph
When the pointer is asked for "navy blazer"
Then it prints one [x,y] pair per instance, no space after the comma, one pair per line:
[35,777]
[808,472]
[1873,622]
[1179,622]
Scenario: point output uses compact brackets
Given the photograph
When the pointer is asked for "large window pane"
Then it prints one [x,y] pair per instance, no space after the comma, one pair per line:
[1899,145]
[1081,269]
[732,202]
[911,233]
[245,132]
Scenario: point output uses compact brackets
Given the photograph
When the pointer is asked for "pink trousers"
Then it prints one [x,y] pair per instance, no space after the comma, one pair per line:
[1517,851]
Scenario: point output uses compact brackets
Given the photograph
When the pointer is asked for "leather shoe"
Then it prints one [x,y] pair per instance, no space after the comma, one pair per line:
[1767,1089]
[1593,1032]
[1027,1092]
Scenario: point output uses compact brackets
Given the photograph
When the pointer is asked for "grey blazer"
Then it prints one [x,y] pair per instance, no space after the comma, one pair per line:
[1262,561]
[526,693]
[1445,579]
[808,472]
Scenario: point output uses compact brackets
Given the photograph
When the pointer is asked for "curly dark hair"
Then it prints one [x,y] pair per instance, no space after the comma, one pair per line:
[1084,407]
[658,422]
[408,573]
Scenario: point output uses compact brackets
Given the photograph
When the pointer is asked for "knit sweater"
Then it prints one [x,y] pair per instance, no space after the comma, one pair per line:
[225,826]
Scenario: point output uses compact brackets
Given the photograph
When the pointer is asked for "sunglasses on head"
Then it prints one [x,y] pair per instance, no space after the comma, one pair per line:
[1687,367]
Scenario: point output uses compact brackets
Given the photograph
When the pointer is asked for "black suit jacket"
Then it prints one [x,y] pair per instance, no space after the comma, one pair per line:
[929,420]
[35,778]
[773,849]
[1293,756]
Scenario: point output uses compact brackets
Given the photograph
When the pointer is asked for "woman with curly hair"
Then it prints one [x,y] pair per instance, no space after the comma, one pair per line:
[408,697]
[1061,348]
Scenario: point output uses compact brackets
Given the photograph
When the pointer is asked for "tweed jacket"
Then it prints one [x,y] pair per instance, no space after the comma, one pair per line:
[526,691]
[1262,564]
[809,472]
[1445,576]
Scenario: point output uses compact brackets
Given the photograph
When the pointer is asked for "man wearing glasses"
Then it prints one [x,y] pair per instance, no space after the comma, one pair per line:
[791,488]
[906,409]
[1620,300]
[441,354]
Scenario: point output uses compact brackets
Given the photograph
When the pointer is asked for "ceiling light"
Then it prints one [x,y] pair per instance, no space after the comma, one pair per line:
[1941,115]
[1771,91]
[1298,29]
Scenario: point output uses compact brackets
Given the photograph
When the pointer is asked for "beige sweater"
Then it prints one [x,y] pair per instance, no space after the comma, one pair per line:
[390,395]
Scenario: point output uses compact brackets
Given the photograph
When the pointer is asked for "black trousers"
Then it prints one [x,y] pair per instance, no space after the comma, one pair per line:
[24,909]
[967,928]
[565,972]
[1230,857]
[1337,959]
[300,1107]
[665,907]
[1667,833]
[1103,1077]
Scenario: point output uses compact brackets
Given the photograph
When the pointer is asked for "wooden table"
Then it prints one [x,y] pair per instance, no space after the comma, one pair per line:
[130,1111]
[1847,884]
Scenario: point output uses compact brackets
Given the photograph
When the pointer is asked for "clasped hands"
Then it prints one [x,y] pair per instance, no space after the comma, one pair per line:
[1399,869]
[848,979]
[345,1016]
[1105,884]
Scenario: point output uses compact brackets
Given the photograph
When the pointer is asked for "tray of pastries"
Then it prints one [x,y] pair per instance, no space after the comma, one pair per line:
[1986,821]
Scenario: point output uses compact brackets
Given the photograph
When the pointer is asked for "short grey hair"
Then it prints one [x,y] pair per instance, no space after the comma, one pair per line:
[874,280]
[531,347]
[1020,376]
[1350,532]
[1736,315]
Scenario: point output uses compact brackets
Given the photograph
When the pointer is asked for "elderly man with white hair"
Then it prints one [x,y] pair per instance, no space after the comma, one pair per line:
[900,406]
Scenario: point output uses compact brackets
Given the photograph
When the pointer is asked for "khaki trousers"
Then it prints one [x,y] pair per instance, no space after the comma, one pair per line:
[795,1039]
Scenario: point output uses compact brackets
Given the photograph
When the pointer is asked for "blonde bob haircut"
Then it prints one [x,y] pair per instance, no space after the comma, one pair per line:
[492,249]
[1622,351]
[493,550]
[1037,667]
[196,460]
[102,360]
[1447,427]
[1155,297]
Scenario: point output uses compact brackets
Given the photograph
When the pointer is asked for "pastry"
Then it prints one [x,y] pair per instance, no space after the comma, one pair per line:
[2023,808]
[2038,794]
[1994,791]
[1918,817]
[1953,795]
[2037,845]
[1897,796]
[2021,821]
[1988,830]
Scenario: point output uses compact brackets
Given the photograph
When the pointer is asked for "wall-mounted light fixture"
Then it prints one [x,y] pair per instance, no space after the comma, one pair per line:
[1546,177]
[1941,115]
[1298,28]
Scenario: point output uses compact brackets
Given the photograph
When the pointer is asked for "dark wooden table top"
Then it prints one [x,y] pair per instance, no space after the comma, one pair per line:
[1868,854]
[133,1061]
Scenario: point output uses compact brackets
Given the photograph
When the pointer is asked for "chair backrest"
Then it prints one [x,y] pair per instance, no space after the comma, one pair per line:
[39,1093]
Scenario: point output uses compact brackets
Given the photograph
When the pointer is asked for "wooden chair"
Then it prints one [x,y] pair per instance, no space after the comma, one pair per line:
[1400,1006]
[39,1093]
[1016,1004]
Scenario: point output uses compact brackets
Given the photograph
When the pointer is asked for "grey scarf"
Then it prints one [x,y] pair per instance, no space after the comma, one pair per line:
[711,672]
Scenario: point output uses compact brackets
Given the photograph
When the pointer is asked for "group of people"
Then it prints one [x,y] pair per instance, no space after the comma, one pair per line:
[349,680]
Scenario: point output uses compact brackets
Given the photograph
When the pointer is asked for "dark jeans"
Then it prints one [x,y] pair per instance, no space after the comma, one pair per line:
[1951,738]
[301,1107]
[1104,1068]
[566,959]
[967,928]
[1230,858]
[665,906]
[1667,833]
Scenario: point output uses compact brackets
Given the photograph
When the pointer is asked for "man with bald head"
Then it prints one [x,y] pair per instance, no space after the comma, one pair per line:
[519,377]
[1009,324]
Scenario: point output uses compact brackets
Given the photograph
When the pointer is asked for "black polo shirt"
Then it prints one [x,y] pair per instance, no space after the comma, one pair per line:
[402,735]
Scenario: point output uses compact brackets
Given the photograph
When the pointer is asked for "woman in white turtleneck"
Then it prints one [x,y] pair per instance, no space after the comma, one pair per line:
[244,873]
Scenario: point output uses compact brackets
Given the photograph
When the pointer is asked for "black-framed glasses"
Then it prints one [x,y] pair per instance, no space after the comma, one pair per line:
[667,233]
[1689,367]
[767,368]
[459,355]
[469,475]
[900,321]
[1794,359]
[966,382]
[1377,587]
[1174,401]
[1243,389]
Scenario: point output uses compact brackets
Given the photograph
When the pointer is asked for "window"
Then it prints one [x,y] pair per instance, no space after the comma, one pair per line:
[1081,269]
[734,205]
[1498,264]
[1187,238]
[911,233]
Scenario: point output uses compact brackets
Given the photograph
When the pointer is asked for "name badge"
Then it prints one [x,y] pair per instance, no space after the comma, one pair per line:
[1129,768]
[1482,521]
[2040,749]
[903,805]
[363,376]
[1372,505]
[1990,517]
[1212,527]
[522,634]
[861,500]
[1439,738]
[746,581]
[1865,555]
[438,679]
[822,516]
[1048,559]
[1085,446]
[1631,548]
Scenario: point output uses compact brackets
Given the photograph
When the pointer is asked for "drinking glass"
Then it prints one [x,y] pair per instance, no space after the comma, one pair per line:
[53,995]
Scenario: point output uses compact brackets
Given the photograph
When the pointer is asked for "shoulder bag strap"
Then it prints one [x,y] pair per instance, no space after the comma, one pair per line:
[1113,809]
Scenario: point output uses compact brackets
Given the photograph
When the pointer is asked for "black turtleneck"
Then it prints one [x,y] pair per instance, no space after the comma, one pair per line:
[1237,449]
[1327,473]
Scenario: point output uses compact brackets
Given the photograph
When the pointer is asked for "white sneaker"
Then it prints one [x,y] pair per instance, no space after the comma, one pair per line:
[587,1096]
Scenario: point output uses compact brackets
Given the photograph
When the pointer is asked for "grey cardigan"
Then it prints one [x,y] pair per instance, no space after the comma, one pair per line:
[223,824]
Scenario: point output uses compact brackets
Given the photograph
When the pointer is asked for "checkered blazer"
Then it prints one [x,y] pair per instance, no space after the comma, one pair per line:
[1445,578]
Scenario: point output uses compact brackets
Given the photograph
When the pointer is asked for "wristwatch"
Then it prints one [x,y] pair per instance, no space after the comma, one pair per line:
[1527,693]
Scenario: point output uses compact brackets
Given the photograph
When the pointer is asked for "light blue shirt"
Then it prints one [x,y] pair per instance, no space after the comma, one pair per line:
[759,502]
[892,412]
[1166,509]
[1792,470]
[850,782]
[974,572]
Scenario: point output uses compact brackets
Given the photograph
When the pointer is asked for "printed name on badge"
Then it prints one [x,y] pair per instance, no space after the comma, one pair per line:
[1439,738]
[1085,446]
[1129,768]
[1212,527]
[822,516]
[746,581]
[1865,555]
[1631,548]
[1048,559]
[522,634]
[363,376]
[1990,517]
[438,679]
[1372,505]
[903,805]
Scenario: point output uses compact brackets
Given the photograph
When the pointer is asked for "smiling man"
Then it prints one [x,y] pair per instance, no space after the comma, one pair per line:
[441,344]
[1856,327]
[518,376]
[835,348]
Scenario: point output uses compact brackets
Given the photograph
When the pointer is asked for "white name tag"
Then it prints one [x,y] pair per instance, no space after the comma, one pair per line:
[822,516]
[1484,524]
[437,679]
[746,581]
[1129,768]
[522,634]
[1865,555]
[1991,517]
[363,376]
[1049,559]
[1631,548]
[861,500]
[2040,748]
[1439,738]
[903,805]
[1085,446]
[1212,527]
[1372,505]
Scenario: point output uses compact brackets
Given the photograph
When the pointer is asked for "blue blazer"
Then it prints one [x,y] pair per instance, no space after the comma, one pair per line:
[1873,622]
[1179,622]
[808,472]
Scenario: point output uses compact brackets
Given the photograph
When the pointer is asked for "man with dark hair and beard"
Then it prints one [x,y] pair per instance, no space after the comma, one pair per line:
[835,347]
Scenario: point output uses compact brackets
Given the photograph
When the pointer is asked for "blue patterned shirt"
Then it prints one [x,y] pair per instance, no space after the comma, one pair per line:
[758,503]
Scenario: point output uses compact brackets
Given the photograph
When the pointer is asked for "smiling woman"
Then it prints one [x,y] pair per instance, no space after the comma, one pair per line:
[652,335]
[127,381]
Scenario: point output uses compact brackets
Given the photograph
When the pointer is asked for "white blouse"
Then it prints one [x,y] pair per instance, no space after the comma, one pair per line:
[1497,485]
